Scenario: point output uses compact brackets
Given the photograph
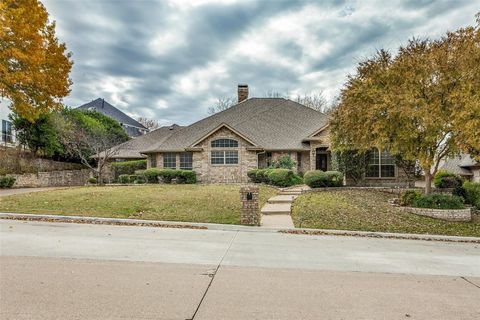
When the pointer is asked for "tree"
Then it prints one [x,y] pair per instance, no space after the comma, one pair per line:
[315,100]
[150,124]
[34,65]
[221,105]
[422,104]
[89,135]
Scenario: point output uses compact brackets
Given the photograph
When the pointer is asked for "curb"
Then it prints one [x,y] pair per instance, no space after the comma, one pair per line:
[226,227]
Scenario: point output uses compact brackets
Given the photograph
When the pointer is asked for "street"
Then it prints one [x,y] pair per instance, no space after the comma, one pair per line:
[82,271]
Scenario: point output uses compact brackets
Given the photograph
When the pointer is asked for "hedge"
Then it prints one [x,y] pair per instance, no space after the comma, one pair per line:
[276,177]
[322,179]
[127,167]
[445,179]
[409,197]
[6,182]
[153,175]
[472,193]
[439,201]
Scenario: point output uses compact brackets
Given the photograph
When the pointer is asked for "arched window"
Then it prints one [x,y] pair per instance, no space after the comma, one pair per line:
[224,143]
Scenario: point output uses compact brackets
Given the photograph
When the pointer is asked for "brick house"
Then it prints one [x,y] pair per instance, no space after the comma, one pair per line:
[254,133]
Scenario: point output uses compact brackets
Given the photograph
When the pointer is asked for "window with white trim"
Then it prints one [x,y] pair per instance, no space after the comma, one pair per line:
[224,157]
[186,161]
[170,160]
[153,160]
[380,164]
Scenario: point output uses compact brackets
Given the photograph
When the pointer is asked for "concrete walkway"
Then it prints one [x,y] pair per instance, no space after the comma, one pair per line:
[10,192]
[277,211]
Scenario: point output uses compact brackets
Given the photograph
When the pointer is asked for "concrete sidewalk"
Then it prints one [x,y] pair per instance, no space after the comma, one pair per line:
[11,192]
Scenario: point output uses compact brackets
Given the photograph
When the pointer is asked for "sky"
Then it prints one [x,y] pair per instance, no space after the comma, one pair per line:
[170,60]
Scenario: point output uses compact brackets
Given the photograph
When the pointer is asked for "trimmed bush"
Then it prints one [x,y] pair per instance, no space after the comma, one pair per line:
[445,179]
[138,179]
[153,175]
[128,167]
[472,193]
[186,177]
[408,197]
[92,180]
[124,178]
[284,162]
[276,177]
[7,182]
[321,179]
[439,201]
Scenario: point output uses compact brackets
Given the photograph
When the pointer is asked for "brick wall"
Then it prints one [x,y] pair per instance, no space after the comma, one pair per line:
[52,179]
[443,214]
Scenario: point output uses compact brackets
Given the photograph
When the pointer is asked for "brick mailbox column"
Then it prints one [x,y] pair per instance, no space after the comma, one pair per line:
[250,210]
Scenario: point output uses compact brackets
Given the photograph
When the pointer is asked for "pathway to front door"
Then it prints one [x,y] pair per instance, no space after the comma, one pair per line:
[276,213]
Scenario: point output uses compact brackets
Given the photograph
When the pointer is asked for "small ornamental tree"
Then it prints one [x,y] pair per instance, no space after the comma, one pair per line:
[34,65]
[422,104]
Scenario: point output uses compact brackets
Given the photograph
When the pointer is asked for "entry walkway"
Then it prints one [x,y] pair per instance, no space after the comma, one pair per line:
[277,212]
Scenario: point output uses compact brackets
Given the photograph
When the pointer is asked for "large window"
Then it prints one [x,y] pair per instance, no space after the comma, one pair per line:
[380,164]
[170,160]
[186,161]
[224,157]
[224,143]
[7,135]
[153,160]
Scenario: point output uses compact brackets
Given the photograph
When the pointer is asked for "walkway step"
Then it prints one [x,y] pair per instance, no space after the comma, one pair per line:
[277,208]
[279,221]
[289,193]
[282,199]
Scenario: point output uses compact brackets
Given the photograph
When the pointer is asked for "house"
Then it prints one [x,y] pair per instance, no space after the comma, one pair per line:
[463,165]
[132,127]
[254,133]
[7,133]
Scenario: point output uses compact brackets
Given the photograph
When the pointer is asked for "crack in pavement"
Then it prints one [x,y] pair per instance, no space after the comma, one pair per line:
[212,276]
[473,284]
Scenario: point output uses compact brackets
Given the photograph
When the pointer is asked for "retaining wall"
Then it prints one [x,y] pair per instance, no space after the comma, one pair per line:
[443,214]
[51,179]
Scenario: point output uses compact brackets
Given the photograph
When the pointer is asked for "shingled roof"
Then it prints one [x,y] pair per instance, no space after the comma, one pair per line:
[131,149]
[269,123]
[107,109]
[460,164]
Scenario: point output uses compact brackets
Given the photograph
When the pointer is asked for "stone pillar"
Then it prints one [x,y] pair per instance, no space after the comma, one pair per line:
[250,214]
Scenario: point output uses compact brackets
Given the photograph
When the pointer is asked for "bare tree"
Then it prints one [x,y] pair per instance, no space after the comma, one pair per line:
[150,124]
[222,104]
[316,101]
[93,146]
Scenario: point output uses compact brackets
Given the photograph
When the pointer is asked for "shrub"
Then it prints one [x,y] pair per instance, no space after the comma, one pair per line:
[321,179]
[445,179]
[7,182]
[138,179]
[92,180]
[284,162]
[128,167]
[281,177]
[252,175]
[151,175]
[439,201]
[472,193]
[408,197]
[124,178]
[186,177]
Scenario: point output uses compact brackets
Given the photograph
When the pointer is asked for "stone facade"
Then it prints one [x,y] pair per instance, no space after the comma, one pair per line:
[250,214]
[443,214]
[52,179]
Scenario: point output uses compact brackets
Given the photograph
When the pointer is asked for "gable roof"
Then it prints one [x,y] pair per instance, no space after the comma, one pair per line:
[459,164]
[107,109]
[271,123]
[131,149]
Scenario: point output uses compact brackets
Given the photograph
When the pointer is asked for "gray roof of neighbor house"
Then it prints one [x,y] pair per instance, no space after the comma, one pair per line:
[107,109]
[270,123]
[131,149]
[459,165]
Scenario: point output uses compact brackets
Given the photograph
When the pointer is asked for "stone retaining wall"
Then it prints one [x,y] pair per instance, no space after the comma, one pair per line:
[51,179]
[443,214]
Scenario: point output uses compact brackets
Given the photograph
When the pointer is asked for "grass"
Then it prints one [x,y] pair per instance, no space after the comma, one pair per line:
[367,210]
[191,203]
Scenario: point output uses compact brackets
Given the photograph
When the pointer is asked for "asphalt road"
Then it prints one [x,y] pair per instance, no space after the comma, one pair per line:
[78,271]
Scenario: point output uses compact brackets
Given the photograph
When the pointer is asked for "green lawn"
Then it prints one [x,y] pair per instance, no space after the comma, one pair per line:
[367,210]
[192,203]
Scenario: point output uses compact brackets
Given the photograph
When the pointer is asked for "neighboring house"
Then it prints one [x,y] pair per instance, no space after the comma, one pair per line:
[7,133]
[464,166]
[132,127]
[255,133]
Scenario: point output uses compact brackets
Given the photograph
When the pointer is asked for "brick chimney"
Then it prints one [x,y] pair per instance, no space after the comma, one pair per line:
[242,92]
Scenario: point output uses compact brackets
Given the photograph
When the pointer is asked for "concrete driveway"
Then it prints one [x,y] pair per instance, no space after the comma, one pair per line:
[76,271]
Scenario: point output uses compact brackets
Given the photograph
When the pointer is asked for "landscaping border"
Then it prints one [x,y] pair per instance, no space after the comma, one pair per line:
[226,227]
[461,215]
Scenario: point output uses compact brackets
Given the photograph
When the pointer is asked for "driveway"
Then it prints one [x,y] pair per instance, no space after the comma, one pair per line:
[77,271]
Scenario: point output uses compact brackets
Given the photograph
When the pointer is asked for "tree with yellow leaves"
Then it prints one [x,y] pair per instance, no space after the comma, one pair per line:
[422,104]
[34,65]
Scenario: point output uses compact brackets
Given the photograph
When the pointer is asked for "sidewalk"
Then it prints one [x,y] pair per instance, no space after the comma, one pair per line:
[11,192]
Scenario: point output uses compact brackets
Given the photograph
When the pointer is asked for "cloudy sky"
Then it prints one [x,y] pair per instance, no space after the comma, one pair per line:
[172,59]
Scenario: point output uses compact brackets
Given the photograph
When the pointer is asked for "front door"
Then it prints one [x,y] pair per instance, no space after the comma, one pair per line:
[321,162]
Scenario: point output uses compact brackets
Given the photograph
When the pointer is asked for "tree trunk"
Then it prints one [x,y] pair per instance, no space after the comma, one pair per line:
[428,182]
